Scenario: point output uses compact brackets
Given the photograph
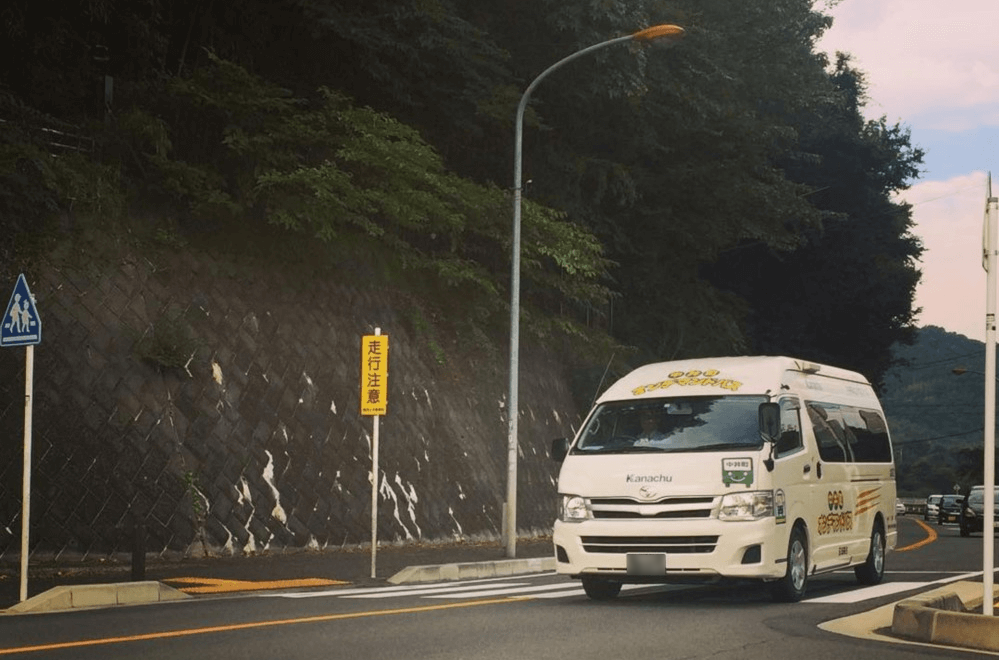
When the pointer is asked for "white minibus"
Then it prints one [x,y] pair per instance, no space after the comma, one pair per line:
[769,468]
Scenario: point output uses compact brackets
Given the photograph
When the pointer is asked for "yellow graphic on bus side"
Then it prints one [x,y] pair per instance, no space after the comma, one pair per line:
[867,500]
[837,520]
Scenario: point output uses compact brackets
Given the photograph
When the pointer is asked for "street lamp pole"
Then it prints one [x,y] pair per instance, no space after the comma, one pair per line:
[510,508]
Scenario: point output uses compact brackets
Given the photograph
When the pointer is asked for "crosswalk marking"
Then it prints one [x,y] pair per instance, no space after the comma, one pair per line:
[527,586]
[451,591]
[886,589]
[402,590]
[556,590]
[865,593]
[573,589]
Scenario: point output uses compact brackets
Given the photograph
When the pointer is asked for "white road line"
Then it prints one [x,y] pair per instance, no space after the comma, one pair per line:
[955,578]
[559,590]
[575,591]
[517,585]
[866,593]
[888,588]
[556,588]
[400,590]
[432,591]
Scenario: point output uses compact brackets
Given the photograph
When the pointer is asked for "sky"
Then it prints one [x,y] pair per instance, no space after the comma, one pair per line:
[934,67]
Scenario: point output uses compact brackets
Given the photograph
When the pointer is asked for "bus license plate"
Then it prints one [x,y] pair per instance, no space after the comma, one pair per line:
[646,564]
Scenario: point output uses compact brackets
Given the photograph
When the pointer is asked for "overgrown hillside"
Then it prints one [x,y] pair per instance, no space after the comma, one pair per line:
[720,196]
[936,416]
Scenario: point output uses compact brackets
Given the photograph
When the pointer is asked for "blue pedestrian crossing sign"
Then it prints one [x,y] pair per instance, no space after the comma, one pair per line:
[20,325]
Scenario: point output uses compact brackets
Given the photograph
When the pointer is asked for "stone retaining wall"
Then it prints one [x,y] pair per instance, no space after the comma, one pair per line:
[254,441]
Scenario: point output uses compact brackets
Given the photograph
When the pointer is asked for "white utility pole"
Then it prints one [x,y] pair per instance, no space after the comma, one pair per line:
[988,524]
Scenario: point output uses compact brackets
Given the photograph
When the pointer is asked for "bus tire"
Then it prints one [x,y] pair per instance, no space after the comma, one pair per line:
[872,571]
[600,589]
[791,587]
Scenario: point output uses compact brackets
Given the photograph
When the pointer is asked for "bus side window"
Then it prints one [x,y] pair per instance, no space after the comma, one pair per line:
[831,446]
[789,441]
[872,444]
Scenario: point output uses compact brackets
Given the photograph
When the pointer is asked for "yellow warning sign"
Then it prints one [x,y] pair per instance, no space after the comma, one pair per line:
[374,374]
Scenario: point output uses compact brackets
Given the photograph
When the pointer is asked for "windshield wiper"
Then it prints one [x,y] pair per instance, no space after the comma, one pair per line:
[620,449]
[723,445]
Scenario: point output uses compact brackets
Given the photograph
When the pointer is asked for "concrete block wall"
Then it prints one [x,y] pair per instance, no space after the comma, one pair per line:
[254,443]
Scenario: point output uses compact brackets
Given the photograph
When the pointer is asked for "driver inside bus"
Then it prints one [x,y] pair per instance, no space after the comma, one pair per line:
[649,433]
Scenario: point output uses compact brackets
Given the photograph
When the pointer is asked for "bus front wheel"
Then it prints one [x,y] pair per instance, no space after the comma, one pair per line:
[872,571]
[791,587]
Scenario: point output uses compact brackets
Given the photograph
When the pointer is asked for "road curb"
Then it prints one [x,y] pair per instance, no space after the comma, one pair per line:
[472,570]
[80,596]
[942,616]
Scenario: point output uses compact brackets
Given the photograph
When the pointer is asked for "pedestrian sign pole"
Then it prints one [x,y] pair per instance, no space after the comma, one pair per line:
[21,326]
[374,402]
[991,235]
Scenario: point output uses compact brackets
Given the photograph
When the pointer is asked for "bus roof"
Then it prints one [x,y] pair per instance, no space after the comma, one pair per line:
[721,376]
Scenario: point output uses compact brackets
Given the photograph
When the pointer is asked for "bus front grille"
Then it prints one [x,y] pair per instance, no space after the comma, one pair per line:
[667,544]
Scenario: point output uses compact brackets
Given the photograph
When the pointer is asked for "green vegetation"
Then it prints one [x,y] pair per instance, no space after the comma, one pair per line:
[168,342]
[722,196]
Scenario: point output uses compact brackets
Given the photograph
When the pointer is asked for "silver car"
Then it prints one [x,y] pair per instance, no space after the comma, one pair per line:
[932,511]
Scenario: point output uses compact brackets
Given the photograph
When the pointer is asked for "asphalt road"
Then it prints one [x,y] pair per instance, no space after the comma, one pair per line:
[536,616]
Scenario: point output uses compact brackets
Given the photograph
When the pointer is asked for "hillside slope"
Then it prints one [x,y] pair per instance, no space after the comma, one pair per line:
[936,416]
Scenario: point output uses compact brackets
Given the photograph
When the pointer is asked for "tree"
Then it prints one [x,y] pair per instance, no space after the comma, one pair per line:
[731,183]
[230,149]
[845,295]
[670,157]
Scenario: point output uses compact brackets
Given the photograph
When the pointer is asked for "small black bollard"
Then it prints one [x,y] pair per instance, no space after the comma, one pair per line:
[139,553]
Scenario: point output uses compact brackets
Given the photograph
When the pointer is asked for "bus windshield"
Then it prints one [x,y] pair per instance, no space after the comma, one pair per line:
[673,425]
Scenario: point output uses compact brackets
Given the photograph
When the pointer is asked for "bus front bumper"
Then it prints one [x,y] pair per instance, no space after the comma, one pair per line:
[702,550]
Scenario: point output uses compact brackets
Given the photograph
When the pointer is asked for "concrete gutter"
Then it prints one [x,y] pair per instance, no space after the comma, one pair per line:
[944,616]
[79,596]
[472,570]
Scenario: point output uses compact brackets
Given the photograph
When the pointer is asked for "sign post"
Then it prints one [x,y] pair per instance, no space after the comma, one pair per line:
[991,265]
[21,326]
[374,402]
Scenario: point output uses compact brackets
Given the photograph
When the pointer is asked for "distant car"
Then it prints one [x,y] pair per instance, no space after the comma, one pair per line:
[932,511]
[950,509]
[899,507]
[973,508]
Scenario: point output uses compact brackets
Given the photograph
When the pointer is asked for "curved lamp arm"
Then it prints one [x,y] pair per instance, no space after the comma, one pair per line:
[510,523]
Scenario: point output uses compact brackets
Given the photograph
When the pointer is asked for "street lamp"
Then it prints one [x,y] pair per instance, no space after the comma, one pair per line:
[510,531]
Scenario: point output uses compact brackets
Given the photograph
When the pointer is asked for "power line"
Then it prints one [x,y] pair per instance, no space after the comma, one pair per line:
[939,437]
[927,365]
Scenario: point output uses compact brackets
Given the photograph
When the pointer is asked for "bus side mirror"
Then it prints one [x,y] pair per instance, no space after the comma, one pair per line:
[560,449]
[770,421]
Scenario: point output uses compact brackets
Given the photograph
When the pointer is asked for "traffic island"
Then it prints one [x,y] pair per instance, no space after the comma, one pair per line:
[948,616]
[79,596]
[472,570]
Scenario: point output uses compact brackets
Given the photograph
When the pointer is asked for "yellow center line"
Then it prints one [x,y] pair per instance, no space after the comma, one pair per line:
[931,536]
[217,586]
[248,626]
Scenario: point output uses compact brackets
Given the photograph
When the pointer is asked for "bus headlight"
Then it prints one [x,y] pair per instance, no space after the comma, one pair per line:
[753,505]
[574,509]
